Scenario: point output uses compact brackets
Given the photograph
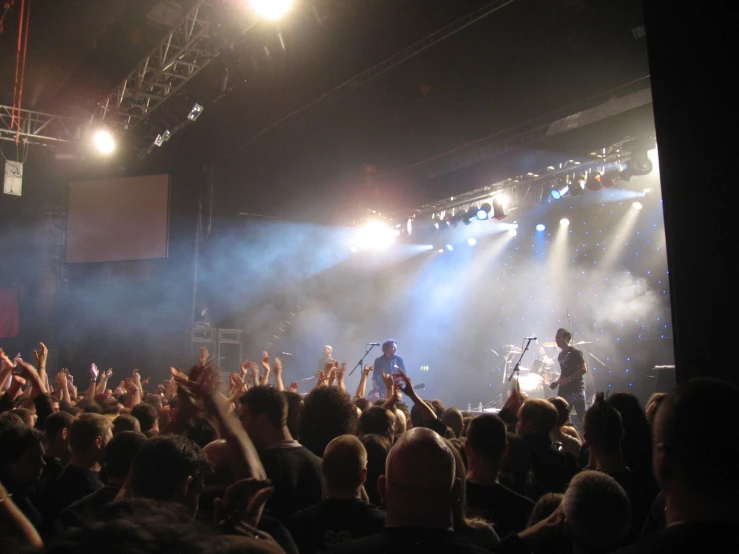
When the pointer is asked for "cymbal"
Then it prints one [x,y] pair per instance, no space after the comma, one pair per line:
[582,342]
[512,348]
[550,344]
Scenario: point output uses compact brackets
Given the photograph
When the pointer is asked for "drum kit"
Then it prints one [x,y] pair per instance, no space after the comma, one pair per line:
[544,370]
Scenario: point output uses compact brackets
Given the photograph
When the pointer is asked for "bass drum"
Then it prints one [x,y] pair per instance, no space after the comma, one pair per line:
[539,367]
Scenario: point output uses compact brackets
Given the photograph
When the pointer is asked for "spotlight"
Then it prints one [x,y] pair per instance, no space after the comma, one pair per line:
[450,220]
[558,193]
[594,182]
[577,186]
[483,212]
[197,109]
[472,241]
[440,250]
[449,247]
[564,222]
[610,178]
[637,205]
[500,207]
[512,231]
[466,217]
[376,235]
[271,9]
[541,227]
[104,141]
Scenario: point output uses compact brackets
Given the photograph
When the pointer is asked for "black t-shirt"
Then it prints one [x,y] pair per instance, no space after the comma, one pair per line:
[570,360]
[332,522]
[409,540]
[72,485]
[551,470]
[84,510]
[641,493]
[506,510]
[716,537]
[296,475]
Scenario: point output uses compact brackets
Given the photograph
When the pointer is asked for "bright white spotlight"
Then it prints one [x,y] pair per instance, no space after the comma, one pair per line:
[564,222]
[376,235]
[512,231]
[637,205]
[271,9]
[353,248]
[541,227]
[449,247]
[472,241]
[440,250]
[104,141]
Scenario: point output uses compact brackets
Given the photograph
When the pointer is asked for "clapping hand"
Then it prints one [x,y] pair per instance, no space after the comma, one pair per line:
[265,360]
[277,367]
[322,378]
[293,387]
[108,374]
[42,356]
[94,372]
[387,380]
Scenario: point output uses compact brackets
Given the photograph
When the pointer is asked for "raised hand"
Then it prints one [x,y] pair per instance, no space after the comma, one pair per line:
[94,372]
[61,378]
[342,371]
[293,387]
[387,380]
[277,367]
[407,384]
[322,378]
[108,374]
[245,368]
[367,370]
[243,501]
[179,376]
[204,355]
[42,356]
[18,380]
[136,377]
[265,360]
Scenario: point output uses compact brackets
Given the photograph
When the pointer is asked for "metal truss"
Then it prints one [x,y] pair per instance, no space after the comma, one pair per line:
[178,57]
[38,128]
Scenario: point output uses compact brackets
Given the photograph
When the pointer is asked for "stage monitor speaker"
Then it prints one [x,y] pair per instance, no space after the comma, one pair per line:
[229,349]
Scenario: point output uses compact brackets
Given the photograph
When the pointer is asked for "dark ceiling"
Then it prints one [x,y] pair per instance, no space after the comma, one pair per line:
[531,62]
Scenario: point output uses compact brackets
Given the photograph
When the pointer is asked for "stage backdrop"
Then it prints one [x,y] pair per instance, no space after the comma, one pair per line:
[114,220]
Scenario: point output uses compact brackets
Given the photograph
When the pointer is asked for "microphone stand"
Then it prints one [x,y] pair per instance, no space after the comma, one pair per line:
[515,368]
[361,361]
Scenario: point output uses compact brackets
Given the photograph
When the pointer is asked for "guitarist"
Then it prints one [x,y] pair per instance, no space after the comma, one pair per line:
[388,364]
[571,384]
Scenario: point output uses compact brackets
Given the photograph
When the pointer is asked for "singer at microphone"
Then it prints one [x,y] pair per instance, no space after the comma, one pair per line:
[387,364]
[326,358]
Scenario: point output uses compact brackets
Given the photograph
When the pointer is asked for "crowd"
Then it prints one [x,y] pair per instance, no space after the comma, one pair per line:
[196,465]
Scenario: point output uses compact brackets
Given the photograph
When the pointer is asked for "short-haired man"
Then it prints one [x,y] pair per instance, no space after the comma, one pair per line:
[88,437]
[700,481]
[420,491]
[552,469]
[485,446]
[21,465]
[294,470]
[453,419]
[388,364]
[378,421]
[342,515]
[148,418]
[573,369]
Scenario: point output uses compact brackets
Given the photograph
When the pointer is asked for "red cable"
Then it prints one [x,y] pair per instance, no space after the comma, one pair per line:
[17,64]
[23,71]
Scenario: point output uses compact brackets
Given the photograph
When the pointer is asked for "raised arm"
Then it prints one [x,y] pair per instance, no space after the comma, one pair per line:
[427,414]
[341,376]
[104,378]
[94,372]
[277,368]
[266,367]
[366,370]
[41,356]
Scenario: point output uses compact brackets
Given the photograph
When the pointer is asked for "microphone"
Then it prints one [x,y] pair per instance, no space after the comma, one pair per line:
[286,353]
[530,338]
[373,344]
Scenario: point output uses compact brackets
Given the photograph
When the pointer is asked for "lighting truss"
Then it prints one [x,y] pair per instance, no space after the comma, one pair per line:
[38,128]
[183,53]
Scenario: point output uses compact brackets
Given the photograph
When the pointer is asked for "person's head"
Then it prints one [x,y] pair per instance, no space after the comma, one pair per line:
[222,475]
[56,431]
[362,403]
[389,348]
[544,507]
[327,351]
[536,416]
[263,413]
[154,400]
[603,428]
[10,418]
[327,413]
[120,452]
[169,468]
[637,442]
[294,406]
[420,498]
[21,455]
[563,410]
[147,416]
[378,421]
[705,473]
[88,437]
[202,430]
[28,417]
[563,338]
[453,419]
[516,462]
[652,405]
[344,466]
[126,422]
[597,512]
[487,442]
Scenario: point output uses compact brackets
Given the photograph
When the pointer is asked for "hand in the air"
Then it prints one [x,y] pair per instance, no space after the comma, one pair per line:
[94,371]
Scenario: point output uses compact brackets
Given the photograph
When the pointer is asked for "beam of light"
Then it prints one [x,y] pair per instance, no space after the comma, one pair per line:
[375,235]
[610,195]
[104,141]
[564,222]
[637,205]
[271,9]
[615,244]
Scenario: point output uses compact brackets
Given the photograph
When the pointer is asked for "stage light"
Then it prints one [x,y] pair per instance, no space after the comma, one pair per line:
[558,193]
[376,235]
[451,220]
[500,207]
[449,247]
[512,231]
[104,141]
[197,109]
[564,222]
[483,212]
[593,182]
[541,227]
[353,249]
[637,205]
[610,178]
[440,250]
[472,241]
[577,186]
[466,217]
[271,9]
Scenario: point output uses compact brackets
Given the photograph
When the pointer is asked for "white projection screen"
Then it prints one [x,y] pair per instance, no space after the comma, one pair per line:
[113,220]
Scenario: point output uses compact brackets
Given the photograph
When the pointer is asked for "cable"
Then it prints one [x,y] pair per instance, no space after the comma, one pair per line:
[23,70]
[384,66]
[17,64]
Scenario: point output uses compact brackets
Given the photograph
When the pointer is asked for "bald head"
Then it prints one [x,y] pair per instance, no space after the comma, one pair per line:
[344,464]
[217,453]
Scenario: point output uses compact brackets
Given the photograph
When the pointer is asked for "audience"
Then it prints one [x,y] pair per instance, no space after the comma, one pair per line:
[146,415]
[486,444]
[377,448]
[343,515]
[294,470]
[453,419]
[378,421]
[564,432]
[327,413]
[21,465]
